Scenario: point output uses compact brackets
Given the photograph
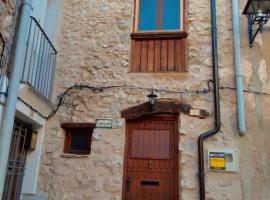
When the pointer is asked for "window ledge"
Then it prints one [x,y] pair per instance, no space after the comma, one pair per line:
[159,35]
[67,155]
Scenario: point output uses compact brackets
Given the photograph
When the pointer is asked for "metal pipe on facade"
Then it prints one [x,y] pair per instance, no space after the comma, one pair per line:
[216,128]
[238,70]
[13,89]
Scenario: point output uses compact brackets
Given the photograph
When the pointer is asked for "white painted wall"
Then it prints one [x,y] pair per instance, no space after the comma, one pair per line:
[48,20]
[52,19]
[47,13]
[33,157]
[38,123]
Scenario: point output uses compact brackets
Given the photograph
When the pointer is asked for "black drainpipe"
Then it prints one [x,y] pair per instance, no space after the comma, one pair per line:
[216,128]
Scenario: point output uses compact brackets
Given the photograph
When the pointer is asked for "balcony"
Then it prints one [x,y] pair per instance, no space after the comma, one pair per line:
[39,63]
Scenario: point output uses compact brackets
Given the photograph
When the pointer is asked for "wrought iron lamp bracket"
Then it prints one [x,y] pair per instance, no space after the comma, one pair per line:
[258,14]
[255,25]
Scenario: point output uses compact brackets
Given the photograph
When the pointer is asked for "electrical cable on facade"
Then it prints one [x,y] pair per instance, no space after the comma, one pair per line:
[102,88]
[95,88]
[247,91]
[3,46]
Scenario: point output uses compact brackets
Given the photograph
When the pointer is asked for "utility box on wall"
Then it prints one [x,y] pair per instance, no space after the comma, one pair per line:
[223,160]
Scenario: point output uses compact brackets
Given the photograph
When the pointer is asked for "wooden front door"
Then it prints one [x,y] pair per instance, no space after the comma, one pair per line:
[151,159]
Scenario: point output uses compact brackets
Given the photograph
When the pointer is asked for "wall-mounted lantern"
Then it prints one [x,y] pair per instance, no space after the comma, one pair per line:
[152,98]
[258,13]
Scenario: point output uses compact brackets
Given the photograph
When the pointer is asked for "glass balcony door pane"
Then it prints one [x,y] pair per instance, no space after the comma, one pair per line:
[170,14]
[147,15]
[159,15]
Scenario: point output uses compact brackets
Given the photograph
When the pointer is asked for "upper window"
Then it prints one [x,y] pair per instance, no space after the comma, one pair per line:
[158,15]
[158,41]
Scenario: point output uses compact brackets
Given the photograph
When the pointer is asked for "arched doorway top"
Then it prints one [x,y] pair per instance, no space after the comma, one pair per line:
[166,106]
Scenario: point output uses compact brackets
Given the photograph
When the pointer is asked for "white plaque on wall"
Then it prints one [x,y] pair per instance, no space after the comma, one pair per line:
[104,123]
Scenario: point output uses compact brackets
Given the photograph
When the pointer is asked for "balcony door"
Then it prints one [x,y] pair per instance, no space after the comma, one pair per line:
[151,159]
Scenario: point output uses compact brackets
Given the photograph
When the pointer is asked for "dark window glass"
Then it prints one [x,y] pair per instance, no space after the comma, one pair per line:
[79,140]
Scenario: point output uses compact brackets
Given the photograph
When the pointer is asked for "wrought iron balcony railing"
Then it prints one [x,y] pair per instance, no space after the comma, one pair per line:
[40,57]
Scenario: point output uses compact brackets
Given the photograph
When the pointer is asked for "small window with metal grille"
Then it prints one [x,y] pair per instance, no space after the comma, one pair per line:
[78,137]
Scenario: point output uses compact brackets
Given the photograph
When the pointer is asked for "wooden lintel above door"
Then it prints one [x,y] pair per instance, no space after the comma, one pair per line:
[169,106]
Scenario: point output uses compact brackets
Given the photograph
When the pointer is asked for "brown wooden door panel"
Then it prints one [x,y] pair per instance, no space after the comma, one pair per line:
[151,160]
[151,186]
[150,144]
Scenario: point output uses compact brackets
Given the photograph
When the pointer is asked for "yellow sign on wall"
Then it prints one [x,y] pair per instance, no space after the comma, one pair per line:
[217,160]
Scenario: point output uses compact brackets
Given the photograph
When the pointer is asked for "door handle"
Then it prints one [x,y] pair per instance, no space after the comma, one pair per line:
[128,181]
[150,164]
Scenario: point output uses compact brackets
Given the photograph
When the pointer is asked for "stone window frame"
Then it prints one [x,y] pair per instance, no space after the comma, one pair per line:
[73,128]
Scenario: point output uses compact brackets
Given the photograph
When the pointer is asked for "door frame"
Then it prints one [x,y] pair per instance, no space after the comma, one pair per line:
[21,133]
[160,117]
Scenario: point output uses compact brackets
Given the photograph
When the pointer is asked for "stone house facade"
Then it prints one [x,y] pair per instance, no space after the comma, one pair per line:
[94,45]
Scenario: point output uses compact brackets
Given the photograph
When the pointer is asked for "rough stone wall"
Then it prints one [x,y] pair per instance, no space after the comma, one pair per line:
[94,47]
[7,9]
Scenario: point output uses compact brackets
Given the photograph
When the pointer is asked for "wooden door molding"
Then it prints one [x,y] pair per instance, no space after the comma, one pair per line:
[169,106]
[160,166]
[160,107]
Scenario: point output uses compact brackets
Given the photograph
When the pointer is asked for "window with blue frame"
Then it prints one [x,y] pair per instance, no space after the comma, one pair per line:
[161,15]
